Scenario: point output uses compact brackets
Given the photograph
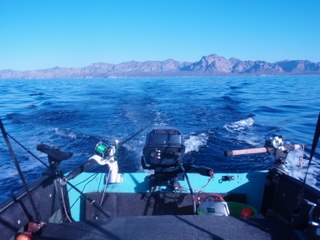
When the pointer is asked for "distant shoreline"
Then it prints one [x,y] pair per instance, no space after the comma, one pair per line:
[211,65]
[165,76]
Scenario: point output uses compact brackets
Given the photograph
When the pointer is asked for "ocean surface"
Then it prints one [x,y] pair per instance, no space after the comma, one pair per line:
[213,113]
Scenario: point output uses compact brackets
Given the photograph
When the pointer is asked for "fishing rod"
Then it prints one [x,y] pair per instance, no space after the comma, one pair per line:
[315,141]
[21,175]
[66,179]
[259,150]
[58,174]
[133,135]
[82,167]
[296,214]
[27,150]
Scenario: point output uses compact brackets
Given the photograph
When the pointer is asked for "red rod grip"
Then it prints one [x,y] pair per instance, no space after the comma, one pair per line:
[248,151]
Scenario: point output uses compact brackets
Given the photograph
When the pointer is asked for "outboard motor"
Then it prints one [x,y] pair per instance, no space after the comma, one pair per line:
[163,150]
[163,153]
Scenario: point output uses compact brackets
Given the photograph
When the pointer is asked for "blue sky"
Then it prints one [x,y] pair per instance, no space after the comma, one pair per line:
[46,33]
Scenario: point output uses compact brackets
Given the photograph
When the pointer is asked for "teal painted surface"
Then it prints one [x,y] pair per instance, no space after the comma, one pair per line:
[252,184]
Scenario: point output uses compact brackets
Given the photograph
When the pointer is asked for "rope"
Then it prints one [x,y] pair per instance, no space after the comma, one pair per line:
[64,205]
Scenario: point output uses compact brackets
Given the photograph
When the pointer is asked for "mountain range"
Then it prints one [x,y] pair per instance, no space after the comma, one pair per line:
[208,65]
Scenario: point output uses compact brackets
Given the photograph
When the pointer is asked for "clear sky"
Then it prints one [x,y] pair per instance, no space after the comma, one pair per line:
[46,33]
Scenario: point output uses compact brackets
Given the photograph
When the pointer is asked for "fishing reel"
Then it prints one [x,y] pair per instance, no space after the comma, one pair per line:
[313,229]
[276,142]
[276,146]
[106,155]
[306,221]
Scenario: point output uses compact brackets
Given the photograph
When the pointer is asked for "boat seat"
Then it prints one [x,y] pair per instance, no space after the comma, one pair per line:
[167,227]
[54,154]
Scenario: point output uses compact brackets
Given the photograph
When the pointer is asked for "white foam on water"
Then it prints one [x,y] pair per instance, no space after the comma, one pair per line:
[158,120]
[241,129]
[194,142]
[240,125]
[66,133]
[251,139]
[296,166]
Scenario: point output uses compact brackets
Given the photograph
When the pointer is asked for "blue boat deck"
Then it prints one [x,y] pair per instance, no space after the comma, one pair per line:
[251,184]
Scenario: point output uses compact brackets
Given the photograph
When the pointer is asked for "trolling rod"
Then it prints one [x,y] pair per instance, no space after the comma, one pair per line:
[130,137]
[17,165]
[59,174]
[296,215]
[56,174]
[315,141]
[81,168]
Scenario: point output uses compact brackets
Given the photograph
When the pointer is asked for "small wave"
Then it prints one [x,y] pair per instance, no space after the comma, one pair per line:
[66,133]
[31,106]
[47,103]
[58,115]
[159,122]
[76,140]
[239,125]
[28,166]
[232,101]
[8,172]
[36,94]
[194,142]
[17,117]
[271,110]
[250,138]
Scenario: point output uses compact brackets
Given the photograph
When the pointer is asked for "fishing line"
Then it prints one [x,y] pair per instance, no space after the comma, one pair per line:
[91,201]
[28,151]
[83,188]
[86,179]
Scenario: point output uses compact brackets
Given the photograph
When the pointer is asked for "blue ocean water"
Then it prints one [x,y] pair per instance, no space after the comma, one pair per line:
[213,113]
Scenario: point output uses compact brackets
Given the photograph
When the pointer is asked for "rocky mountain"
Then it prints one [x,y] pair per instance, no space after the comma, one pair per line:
[207,65]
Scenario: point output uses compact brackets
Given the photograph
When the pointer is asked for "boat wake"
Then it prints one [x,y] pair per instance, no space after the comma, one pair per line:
[65,133]
[193,143]
[240,125]
[242,131]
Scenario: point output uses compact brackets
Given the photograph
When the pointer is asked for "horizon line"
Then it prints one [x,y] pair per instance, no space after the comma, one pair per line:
[153,60]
